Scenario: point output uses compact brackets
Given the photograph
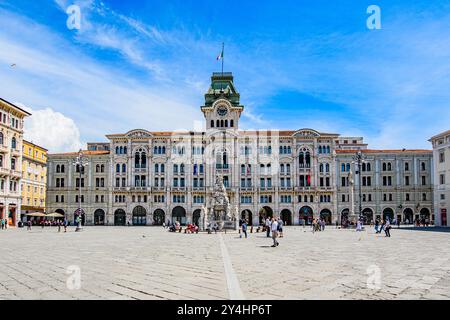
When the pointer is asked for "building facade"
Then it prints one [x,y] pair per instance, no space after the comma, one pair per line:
[441,156]
[395,184]
[147,178]
[34,178]
[11,137]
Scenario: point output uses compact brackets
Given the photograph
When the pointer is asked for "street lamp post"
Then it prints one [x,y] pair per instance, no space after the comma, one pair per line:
[80,162]
[359,159]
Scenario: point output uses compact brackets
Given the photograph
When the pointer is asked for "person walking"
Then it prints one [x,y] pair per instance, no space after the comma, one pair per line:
[280,227]
[268,227]
[3,223]
[65,225]
[314,225]
[387,228]
[274,227]
[28,225]
[383,223]
[59,226]
[377,223]
[244,228]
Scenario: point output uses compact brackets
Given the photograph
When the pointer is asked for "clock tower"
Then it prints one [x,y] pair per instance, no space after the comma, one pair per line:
[222,109]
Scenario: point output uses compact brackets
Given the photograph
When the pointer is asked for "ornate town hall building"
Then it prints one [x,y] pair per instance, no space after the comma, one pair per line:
[146,178]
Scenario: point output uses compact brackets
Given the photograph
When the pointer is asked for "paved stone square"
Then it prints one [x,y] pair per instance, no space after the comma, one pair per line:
[151,263]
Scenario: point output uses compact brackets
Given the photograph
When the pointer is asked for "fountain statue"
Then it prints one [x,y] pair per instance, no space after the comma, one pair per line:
[218,210]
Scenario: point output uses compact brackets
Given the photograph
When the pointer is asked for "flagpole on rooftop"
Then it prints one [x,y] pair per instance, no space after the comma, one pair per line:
[223,55]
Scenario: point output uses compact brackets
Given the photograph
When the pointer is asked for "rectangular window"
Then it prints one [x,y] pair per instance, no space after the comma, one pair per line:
[441,157]
[442,179]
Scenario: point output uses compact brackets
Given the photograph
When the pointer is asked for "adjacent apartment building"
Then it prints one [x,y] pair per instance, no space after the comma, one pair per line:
[11,140]
[34,178]
[441,155]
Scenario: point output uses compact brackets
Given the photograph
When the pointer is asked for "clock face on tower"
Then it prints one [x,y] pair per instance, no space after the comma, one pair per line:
[222,111]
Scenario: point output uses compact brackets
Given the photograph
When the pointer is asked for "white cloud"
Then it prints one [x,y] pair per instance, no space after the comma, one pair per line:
[52,130]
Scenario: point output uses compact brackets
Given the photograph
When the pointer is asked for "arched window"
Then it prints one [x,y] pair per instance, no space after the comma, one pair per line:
[301,159]
[343,167]
[384,166]
[221,123]
[328,149]
[124,150]
[175,168]
[124,168]
[121,150]
[423,166]
[97,168]
[143,160]
[320,149]
[156,168]
[226,123]
[389,166]
[117,168]
[232,123]
[62,168]
[348,167]
[212,123]
[117,150]
[308,159]
[137,160]
[162,168]
[368,167]
[13,143]
[58,168]
[1,138]
[217,123]
[327,167]
[182,168]
[321,167]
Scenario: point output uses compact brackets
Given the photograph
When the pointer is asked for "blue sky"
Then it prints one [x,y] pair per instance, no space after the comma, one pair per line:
[297,64]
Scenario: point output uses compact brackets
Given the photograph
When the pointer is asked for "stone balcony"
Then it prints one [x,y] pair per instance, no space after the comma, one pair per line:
[3,148]
[4,171]
[16,174]
[15,152]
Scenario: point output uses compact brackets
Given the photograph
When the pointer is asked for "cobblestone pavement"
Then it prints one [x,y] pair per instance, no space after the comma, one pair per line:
[151,263]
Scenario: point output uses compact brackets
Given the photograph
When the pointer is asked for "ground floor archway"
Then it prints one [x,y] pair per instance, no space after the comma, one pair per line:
[139,216]
[196,217]
[119,217]
[264,213]
[247,216]
[408,216]
[12,215]
[425,214]
[344,217]
[306,215]
[82,214]
[326,215]
[179,214]
[158,217]
[286,216]
[388,214]
[367,215]
[99,217]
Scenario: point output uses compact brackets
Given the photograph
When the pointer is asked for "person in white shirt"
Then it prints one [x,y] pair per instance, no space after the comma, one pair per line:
[274,227]
[268,227]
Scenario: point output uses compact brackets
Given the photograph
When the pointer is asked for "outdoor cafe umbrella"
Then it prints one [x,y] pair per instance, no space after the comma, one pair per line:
[36,214]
